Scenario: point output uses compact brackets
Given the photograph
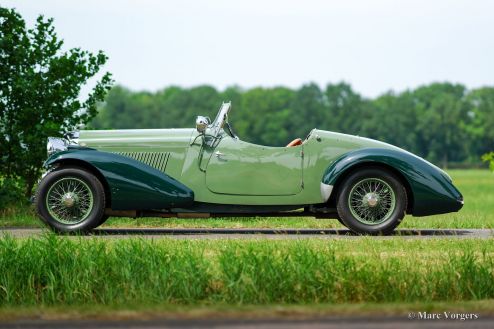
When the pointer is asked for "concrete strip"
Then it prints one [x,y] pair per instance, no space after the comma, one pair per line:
[317,323]
[254,233]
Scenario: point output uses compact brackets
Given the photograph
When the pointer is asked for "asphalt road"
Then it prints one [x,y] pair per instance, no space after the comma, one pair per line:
[319,323]
[254,233]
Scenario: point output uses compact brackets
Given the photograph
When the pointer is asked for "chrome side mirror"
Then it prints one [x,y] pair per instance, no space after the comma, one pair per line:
[201,124]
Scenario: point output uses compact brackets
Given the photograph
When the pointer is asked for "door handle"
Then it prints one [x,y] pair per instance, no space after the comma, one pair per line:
[218,154]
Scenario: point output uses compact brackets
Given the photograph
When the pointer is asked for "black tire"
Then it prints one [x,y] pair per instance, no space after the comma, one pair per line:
[392,217]
[341,222]
[103,220]
[94,212]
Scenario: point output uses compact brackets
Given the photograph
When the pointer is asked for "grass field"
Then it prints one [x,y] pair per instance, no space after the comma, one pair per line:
[60,271]
[477,187]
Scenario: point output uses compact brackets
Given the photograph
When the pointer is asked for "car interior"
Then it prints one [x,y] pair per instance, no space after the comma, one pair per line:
[295,142]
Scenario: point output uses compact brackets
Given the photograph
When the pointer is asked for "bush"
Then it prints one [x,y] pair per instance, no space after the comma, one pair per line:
[489,157]
[11,194]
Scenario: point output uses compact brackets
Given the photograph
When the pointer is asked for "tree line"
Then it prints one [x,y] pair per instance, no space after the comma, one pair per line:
[443,122]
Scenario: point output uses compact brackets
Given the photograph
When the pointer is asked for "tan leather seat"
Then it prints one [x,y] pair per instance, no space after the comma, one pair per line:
[295,142]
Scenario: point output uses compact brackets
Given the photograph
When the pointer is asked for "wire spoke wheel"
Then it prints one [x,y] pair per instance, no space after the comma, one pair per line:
[371,201]
[69,200]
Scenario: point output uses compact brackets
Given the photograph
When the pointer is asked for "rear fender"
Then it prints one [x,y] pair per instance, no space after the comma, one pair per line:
[431,188]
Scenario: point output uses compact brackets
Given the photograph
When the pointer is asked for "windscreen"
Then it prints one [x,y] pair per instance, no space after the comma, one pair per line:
[222,115]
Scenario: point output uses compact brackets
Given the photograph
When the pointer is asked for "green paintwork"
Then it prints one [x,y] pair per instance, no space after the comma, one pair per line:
[254,175]
[432,190]
[133,185]
[175,142]
[189,164]
[242,168]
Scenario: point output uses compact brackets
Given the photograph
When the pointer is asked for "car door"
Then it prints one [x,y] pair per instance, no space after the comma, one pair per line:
[242,168]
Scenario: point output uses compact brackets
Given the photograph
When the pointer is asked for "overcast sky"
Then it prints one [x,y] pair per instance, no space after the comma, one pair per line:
[376,45]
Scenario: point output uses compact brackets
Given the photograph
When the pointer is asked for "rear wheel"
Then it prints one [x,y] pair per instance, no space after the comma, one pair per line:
[71,200]
[372,201]
[340,221]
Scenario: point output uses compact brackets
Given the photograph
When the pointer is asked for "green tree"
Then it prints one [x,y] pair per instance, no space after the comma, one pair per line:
[393,119]
[442,115]
[346,111]
[40,92]
[307,111]
[116,106]
[481,125]
[264,116]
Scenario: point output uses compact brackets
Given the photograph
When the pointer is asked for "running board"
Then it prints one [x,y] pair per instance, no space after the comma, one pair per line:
[164,214]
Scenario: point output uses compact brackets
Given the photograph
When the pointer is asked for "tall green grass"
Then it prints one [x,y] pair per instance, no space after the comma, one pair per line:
[55,271]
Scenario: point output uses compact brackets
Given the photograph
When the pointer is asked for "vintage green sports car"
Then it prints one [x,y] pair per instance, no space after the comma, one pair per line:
[209,172]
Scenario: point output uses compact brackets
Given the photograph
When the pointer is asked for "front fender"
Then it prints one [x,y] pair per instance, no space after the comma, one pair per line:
[432,190]
[133,184]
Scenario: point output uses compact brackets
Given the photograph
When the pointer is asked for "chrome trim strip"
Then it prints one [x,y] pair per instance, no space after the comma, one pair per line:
[326,191]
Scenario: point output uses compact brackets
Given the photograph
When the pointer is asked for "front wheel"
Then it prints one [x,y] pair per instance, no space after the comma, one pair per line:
[372,201]
[71,200]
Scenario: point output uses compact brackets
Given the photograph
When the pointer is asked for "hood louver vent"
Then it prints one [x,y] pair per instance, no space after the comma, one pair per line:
[157,160]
